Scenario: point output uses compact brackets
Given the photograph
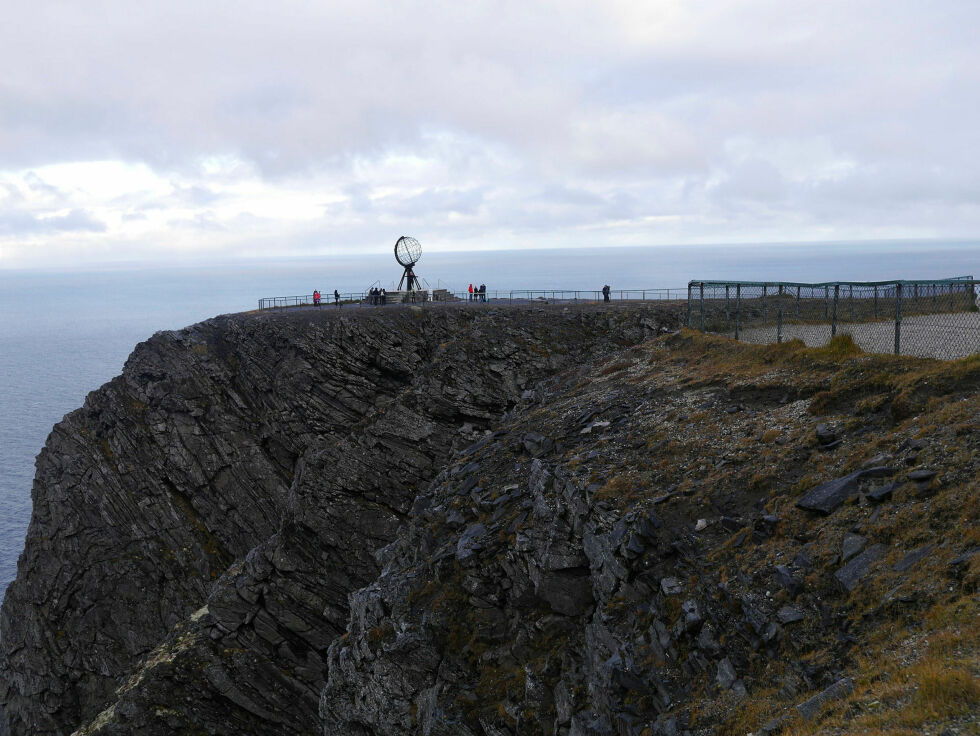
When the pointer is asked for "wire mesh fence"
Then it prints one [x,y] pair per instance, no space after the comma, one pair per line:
[938,318]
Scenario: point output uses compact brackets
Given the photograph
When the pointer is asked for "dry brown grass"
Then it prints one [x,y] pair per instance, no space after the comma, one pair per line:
[617,488]
[905,684]
[615,367]
[917,667]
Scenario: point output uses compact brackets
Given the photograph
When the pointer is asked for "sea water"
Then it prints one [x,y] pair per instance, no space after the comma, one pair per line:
[63,334]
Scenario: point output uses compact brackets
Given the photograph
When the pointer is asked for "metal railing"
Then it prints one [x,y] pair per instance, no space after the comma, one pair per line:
[306,300]
[496,296]
[932,318]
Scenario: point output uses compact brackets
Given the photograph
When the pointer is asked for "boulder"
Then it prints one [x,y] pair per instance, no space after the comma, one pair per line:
[826,497]
[849,576]
[811,707]
[789,615]
[913,558]
[726,675]
[853,543]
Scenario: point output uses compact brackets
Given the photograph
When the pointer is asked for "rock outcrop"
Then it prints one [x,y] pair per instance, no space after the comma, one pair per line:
[200,522]
[498,522]
[626,555]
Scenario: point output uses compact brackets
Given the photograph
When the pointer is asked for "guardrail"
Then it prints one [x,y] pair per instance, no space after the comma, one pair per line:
[932,318]
[497,296]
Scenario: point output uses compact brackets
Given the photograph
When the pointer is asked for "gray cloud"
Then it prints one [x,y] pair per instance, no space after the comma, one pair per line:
[24,223]
[436,201]
[756,116]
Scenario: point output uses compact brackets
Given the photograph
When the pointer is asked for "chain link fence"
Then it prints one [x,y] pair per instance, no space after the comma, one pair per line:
[938,319]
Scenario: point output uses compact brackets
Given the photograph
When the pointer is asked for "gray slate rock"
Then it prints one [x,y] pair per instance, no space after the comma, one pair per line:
[826,497]
[789,615]
[811,707]
[787,580]
[964,558]
[537,444]
[877,461]
[469,543]
[850,575]
[883,493]
[913,558]
[922,477]
[879,471]
[825,434]
[671,586]
[726,675]
[853,543]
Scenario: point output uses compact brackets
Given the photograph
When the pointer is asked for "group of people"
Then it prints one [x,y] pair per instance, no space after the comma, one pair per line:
[317,298]
[377,296]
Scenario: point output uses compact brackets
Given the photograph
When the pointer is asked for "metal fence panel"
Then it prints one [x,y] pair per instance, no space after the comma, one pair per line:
[937,318]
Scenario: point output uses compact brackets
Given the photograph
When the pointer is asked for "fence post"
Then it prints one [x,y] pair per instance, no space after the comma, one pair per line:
[738,308]
[727,319]
[765,318]
[833,322]
[898,319]
[876,302]
[779,315]
[826,303]
[850,298]
[689,305]
[796,311]
[702,306]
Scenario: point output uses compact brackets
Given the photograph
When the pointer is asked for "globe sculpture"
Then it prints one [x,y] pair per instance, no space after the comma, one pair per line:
[407,253]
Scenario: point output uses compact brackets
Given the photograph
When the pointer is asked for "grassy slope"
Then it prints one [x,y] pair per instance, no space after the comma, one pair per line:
[916,649]
[729,429]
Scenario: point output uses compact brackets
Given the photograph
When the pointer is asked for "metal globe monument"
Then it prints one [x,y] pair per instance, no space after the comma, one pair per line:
[408,251]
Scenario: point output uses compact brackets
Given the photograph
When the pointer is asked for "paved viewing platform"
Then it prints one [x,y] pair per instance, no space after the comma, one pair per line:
[496,296]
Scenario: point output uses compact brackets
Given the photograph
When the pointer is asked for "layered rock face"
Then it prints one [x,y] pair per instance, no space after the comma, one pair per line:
[692,537]
[200,522]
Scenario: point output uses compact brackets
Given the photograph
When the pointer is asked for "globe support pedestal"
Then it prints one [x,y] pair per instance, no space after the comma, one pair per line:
[409,279]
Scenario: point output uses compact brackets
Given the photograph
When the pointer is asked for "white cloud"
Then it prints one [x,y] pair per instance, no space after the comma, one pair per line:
[144,130]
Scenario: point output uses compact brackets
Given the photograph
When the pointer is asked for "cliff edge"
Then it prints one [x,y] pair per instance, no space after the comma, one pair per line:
[199,523]
[690,537]
[495,522]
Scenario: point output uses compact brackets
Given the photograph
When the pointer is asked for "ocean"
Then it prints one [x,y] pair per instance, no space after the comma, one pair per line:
[65,333]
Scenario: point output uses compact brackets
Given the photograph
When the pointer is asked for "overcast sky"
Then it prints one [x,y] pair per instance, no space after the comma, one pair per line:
[162,130]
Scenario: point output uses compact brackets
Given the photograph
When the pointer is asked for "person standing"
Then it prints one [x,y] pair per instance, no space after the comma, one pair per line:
[336,297]
[471,292]
[605,293]
[384,296]
[483,292]
[316,297]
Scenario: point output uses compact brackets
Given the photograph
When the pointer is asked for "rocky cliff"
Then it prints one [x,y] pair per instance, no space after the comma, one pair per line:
[199,523]
[692,536]
[509,521]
